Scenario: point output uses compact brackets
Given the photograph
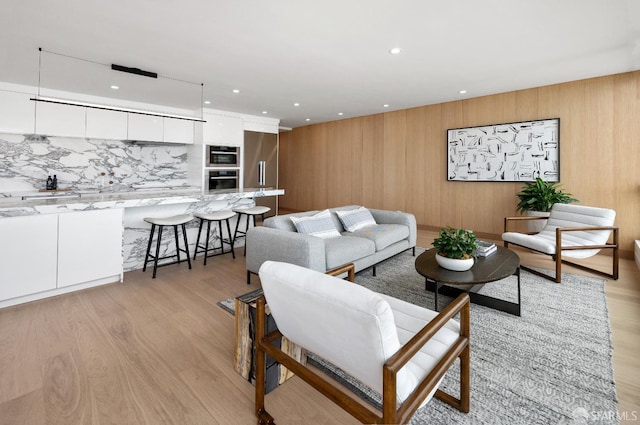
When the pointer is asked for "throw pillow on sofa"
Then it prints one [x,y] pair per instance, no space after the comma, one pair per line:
[320,225]
[356,219]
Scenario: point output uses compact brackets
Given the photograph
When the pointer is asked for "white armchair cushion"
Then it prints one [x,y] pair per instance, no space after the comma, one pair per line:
[409,319]
[536,242]
[567,215]
[350,326]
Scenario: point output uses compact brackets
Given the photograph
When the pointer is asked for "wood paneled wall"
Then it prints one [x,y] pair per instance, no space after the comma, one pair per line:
[397,160]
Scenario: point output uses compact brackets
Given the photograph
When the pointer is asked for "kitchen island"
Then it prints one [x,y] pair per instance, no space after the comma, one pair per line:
[66,243]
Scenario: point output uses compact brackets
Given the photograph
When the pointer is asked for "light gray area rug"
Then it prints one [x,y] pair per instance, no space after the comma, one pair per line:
[552,365]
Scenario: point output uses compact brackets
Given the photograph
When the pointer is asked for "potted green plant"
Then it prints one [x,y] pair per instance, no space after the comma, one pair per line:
[454,248]
[540,195]
[537,198]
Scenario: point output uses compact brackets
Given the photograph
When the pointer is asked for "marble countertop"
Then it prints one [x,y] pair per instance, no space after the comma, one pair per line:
[87,200]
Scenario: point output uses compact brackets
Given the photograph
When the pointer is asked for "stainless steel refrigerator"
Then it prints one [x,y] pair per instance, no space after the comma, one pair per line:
[261,166]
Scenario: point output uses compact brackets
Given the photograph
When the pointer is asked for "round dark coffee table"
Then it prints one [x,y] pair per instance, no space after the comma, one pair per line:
[499,265]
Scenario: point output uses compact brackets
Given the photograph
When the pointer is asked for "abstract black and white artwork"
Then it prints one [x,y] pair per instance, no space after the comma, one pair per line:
[519,151]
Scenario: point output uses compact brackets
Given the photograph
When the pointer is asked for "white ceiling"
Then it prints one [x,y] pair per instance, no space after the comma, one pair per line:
[331,56]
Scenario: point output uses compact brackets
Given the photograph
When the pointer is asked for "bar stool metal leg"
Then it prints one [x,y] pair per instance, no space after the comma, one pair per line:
[186,245]
[246,229]
[235,233]
[231,239]
[155,260]
[221,237]
[198,239]
[206,244]
[175,232]
[146,257]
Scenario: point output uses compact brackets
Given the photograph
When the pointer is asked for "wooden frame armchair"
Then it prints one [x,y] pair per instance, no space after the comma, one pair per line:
[381,335]
[580,231]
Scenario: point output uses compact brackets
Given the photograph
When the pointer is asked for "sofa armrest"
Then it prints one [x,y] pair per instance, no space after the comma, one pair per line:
[397,217]
[264,243]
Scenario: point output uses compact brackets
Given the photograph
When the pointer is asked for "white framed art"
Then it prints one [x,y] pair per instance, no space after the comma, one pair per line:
[518,151]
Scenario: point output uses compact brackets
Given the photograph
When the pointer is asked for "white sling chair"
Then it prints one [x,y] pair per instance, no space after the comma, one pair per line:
[399,349]
[579,230]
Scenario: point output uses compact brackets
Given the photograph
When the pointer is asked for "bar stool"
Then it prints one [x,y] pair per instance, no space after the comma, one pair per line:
[250,213]
[174,221]
[219,217]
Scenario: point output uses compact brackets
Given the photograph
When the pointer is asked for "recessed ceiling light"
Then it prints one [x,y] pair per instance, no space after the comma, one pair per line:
[462,91]
[264,112]
[115,87]
[308,119]
[385,105]
[236,91]
[395,51]
[207,102]
[296,104]
[340,113]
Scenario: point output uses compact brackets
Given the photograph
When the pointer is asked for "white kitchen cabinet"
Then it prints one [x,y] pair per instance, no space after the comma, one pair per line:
[104,124]
[53,119]
[17,112]
[178,131]
[28,255]
[89,246]
[222,130]
[145,127]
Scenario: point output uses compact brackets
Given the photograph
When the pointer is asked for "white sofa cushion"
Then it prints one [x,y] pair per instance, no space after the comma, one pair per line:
[382,235]
[347,249]
[355,219]
[350,326]
[320,225]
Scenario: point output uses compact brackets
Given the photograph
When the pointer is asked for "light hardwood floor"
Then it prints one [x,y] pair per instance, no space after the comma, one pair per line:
[160,352]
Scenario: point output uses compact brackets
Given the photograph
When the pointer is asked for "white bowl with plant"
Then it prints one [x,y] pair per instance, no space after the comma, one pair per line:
[454,248]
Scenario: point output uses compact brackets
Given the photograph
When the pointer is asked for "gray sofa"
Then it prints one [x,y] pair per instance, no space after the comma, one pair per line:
[278,240]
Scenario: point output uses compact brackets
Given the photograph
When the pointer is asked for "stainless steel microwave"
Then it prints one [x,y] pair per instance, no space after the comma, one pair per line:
[223,179]
[224,156]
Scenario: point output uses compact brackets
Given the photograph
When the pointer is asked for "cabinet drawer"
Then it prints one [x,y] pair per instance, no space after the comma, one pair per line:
[89,246]
[28,255]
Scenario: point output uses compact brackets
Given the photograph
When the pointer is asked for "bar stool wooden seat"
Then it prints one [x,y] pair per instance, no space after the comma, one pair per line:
[161,222]
[219,217]
[250,213]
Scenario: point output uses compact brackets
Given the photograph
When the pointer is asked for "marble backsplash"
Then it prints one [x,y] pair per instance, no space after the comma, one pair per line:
[27,160]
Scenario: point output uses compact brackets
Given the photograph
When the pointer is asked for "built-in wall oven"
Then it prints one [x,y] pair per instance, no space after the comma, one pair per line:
[224,156]
[223,179]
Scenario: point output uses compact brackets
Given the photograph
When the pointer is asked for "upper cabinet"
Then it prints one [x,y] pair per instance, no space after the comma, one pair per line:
[223,130]
[17,112]
[178,131]
[103,124]
[150,128]
[53,119]
[145,128]
[21,115]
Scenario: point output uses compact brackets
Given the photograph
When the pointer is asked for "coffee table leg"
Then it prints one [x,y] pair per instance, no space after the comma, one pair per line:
[435,293]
